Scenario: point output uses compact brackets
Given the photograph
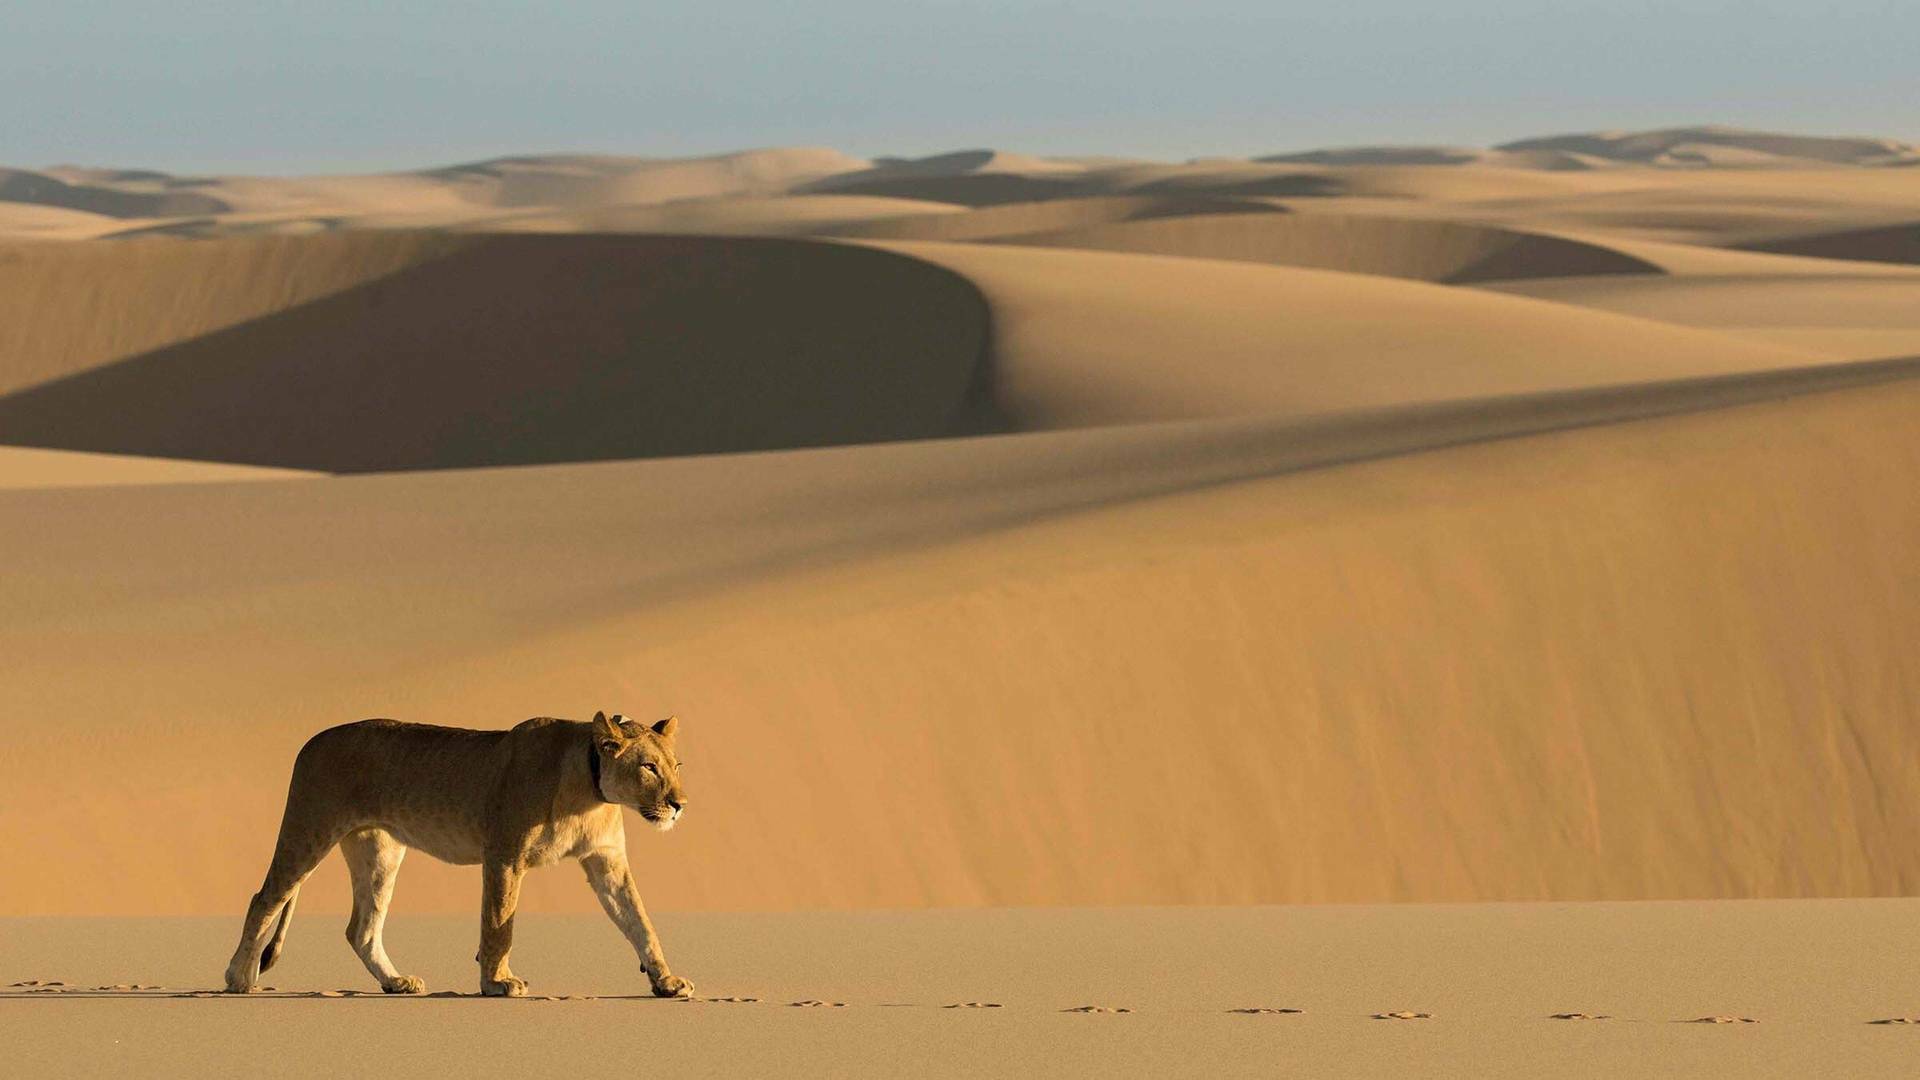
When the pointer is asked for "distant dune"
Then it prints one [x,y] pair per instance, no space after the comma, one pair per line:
[1886,243]
[1681,183]
[602,181]
[1364,244]
[41,190]
[1035,218]
[1085,338]
[1708,146]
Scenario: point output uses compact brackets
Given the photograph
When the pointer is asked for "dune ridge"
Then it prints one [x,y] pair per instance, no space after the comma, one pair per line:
[1367,244]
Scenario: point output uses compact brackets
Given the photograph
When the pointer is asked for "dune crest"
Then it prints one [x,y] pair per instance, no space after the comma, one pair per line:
[1414,248]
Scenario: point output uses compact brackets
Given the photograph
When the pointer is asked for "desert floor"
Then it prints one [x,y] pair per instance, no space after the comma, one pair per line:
[1727,988]
[1082,582]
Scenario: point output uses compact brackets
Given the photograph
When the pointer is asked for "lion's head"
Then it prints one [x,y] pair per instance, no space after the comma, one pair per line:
[638,767]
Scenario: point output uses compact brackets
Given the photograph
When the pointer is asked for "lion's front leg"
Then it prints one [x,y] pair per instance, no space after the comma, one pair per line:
[499,896]
[612,882]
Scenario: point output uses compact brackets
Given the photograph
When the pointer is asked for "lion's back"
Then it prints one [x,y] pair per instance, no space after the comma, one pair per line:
[382,766]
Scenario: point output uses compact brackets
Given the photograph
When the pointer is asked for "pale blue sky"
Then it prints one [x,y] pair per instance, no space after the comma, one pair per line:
[340,85]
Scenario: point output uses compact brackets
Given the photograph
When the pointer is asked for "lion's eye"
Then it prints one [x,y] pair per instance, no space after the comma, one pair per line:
[650,767]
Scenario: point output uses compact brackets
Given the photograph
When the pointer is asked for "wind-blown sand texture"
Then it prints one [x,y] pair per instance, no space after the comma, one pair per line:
[1344,527]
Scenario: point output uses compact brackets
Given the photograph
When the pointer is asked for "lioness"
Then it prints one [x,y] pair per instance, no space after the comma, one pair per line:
[544,791]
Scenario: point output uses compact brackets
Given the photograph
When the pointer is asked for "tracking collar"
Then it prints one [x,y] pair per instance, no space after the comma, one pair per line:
[593,769]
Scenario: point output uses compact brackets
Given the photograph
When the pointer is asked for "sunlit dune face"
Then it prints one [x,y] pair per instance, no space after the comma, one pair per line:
[639,767]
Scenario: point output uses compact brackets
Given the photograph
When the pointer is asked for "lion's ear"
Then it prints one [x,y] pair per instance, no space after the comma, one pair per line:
[667,727]
[604,728]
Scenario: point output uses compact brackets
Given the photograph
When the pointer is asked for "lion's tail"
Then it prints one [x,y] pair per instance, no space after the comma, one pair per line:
[274,947]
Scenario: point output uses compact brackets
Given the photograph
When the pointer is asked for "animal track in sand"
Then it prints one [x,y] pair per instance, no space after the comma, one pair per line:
[1263,1011]
[1096,1009]
[812,1004]
[729,1000]
[1897,1020]
[1579,1016]
[1721,1020]
[1403,1016]
[973,1005]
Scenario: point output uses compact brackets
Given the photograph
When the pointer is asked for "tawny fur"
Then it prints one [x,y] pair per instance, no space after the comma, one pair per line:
[506,800]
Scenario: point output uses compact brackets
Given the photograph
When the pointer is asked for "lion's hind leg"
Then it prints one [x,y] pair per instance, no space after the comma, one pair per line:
[373,860]
[294,857]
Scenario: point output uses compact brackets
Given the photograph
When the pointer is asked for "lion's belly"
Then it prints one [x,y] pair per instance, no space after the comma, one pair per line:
[451,841]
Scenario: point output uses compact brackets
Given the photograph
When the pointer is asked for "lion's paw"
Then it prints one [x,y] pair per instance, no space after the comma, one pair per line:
[673,986]
[507,987]
[405,984]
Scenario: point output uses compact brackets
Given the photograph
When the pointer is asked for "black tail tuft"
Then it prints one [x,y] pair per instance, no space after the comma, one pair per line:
[268,955]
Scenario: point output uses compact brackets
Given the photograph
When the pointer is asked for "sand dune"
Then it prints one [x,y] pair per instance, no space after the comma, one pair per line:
[1381,155]
[1692,146]
[967,177]
[601,181]
[380,353]
[1845,316]
[964,162]
[30,221]
[1692,184]
[41,190]
[1886,244]
[1031,218]
[1083,338]
[1549,160]
[783,215]
[1688,260]
[25,467]
[842,626]
[278,344]
[67,309]
[1684,147]
[1405,248]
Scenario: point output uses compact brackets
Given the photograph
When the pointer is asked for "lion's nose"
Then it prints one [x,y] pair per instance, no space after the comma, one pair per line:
[677,805]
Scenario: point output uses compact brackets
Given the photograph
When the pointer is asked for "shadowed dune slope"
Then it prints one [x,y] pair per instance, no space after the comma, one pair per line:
[1424,250]
[1086,337]
[1885,244]
[492,351]
[1716,145]
[916,675]
[70,308]
[39,189]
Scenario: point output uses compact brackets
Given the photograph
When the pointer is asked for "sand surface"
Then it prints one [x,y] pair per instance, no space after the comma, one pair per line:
[1517,527]
[1189,991]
